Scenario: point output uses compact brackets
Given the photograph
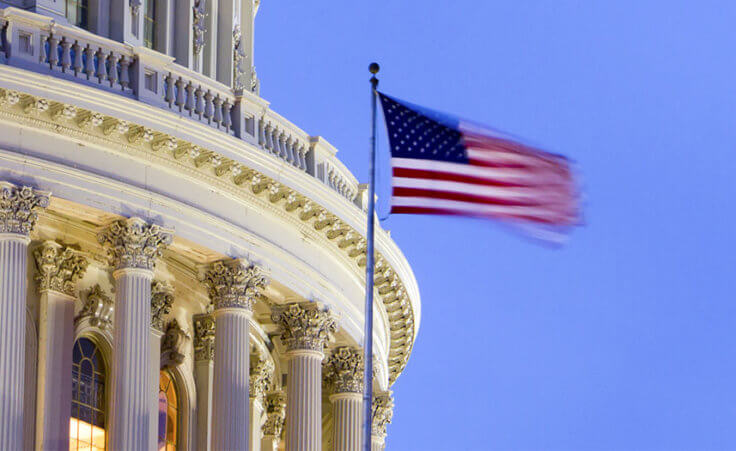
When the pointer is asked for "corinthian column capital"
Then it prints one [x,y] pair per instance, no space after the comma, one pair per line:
[383,412]
[134,244]
[19,208]
[234,284]
[343,370]
[204,337]
[162,296]
[59,268]
[275,413]
[304,326]
[261,377]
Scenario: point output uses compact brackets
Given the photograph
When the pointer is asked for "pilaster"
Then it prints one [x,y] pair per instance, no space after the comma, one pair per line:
[204,354]
[383,411]
[275,417]
[261,380]
[162,296]
[343,373]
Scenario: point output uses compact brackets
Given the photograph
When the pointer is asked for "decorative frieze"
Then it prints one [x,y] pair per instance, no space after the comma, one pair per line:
[233,284]
[172,345]
[275,413]
[343,370]
[383,412]
[261,376]
[204,337]
[162,296]
[133,243]
[304,325]
[59,268]
[98,308]
[19,207]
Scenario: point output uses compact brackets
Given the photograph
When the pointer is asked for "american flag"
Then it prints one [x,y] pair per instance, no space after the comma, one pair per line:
[444,165]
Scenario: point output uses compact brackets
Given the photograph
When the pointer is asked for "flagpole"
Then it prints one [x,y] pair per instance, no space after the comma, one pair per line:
[369,264]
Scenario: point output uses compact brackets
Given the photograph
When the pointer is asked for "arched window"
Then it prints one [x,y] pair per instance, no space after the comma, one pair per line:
[168,413]
[77,11]
[87,426]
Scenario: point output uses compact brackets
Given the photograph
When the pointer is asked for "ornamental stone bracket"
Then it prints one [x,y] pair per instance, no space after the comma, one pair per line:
[19,208]
[97,308]
[275,414]
[343,370]
[234,284]
[172,345]
[133,243]
[162,296]
[304,325]
[383,412]
[59,268]
[204,337]
[261,377]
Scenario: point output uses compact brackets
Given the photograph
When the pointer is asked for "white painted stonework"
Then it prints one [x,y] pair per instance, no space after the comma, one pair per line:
[127,170]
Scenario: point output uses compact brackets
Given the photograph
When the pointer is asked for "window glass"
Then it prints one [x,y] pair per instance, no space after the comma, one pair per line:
[77,11]
[168,413]
[149,23]
[87,423]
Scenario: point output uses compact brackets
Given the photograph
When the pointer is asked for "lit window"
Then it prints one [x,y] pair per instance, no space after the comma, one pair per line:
[167,413]
[77,11]
[149,23]
[87,424]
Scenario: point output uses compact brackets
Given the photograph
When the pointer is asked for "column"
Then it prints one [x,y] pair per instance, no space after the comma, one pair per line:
[59,268]
[134,246]
[275,416]
[204,355]
[19,207]
[162,296]
[228,36]
[233,288]
[343,372]
[261,379]
[383,411]
[305,329]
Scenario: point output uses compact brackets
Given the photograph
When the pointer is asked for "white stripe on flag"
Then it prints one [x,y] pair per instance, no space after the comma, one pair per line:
[506,175]
[474,208]
[480,190]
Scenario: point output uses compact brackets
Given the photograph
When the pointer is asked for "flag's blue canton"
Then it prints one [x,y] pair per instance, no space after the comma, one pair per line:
[414,135]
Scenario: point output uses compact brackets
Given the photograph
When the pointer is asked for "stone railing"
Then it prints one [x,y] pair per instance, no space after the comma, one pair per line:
[35,42]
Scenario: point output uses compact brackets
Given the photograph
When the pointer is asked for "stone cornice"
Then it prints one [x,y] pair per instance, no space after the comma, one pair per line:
[234,284]
[133,243]
[304,325]
[343,370]
[190,158]
[19,207]
[59,268]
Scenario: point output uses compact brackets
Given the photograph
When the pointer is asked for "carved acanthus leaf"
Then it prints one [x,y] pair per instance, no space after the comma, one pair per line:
[204,337]
[59,268]
[98,307]
[383,412]
[261,376]
[172,345]
[133,243]
[19,207]
[232,284]
[343,370]
[304,325]
[275,414]
[162,296]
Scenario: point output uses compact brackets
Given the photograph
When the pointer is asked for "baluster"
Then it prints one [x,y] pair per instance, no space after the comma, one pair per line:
[101,66]
[290,151]
[282,147]
[227,119]
[267,137]
[90,63]
[113,69]
[275,141]
[66,57]
[43,54]
[78,60]
[208,106]
[200,102]
[124,72]
[303,155]
[261,133]
[180,93]
[169,91]
[189,105]
[53,51]
[218,110]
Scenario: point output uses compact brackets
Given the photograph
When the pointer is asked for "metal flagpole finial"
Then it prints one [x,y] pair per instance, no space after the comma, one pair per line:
[374,68]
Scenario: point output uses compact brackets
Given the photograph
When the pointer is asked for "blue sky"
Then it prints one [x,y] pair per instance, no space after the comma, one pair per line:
[625,338]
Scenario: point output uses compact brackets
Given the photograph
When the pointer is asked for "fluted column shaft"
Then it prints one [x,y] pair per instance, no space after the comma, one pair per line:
[153,384]
[304,401]
[55,346]
[231,400]
[13,258]
[347,414]
[131,351]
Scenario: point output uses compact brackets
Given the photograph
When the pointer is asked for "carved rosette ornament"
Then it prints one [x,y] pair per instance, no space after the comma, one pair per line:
[233,284]
[343,370]
[59,268]
[133,243]
[172,345]
[275,414]
[19,208]
[304,326]
[383,412]
[98,307]
[261,377]
[204,337]
[162,296]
